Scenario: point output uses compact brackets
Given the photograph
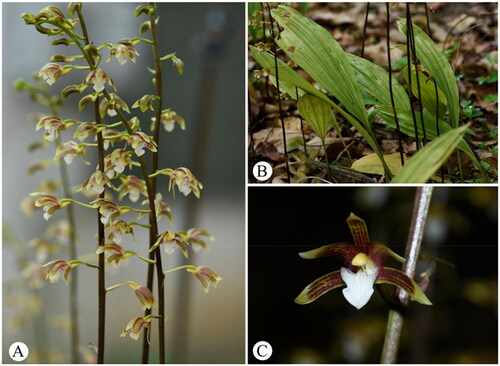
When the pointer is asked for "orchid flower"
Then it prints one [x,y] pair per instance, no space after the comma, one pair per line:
[364,267]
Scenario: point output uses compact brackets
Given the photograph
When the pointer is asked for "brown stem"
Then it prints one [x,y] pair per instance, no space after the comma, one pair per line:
[100,226]
[419,94]
[390,87]
[153,231]
[364,30]
[427,20]
[278,91]
[396,319]
[408,66]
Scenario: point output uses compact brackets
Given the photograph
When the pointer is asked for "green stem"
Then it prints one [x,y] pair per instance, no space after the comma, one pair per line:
[77,202]
[179,268]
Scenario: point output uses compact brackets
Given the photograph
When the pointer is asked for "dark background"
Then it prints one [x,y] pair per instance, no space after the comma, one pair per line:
[461,326]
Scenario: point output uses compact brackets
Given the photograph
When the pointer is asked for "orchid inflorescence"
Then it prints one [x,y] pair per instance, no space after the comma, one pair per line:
[113,173]
[364,266]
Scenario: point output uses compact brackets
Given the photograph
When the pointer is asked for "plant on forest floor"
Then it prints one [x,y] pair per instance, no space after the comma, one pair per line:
[355,82]
[121,142]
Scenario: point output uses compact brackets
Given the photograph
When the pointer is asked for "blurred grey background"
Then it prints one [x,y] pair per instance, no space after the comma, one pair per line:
[209,38]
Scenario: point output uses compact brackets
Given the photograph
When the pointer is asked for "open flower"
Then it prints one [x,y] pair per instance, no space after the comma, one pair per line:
[186,181]
[117,253]
[96,181]
[56,268]
[98,77]
[86,129]
[122,52]
[135,326]
[194,235]
[109,210]
[116,162]
[139,140]
[133,186]
[145,296]
[206,276]
[171,240]
[51,72]
[53,126]
[68,150]
[110,106]
[364,263]
[169,118]
[117,229]
[49,203]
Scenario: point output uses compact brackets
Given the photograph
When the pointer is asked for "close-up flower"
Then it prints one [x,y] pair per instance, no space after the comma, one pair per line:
[99,78]
[50,72]
[145,296]
[364,266]
[68,150]
[86,129]
[117,253]
[109,106]
[206,276]
[56,268]
[139,140]
[108,209]
[133,186]
[116,162]
[122,52]
[49,203]
[194,237]
[117,229]
[169,118]
[135,326]
[96,181]
[171,240]
[53,126]
[185,181]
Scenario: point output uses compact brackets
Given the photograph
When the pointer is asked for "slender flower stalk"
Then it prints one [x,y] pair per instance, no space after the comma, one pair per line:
[100,226]
[153,232]
[396,319]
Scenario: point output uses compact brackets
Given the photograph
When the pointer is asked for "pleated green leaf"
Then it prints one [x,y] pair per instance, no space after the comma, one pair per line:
[427,92]
[316,112]
[290,79]
[428,160]
[313,48]
[374,81]
[438,67]
[405,120]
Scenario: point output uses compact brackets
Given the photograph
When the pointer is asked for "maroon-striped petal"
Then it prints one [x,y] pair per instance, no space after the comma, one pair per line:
[397,278]
[344,251]
[359,232]
[320,287]
[378,253]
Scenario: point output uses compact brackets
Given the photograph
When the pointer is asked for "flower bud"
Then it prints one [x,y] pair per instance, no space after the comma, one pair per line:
[70,89]
[145,102]
[28,18]
[72,8]
[91,51]
[89,98]
[60,58]
[178,64]
[143,9]
[62,41]
[145,26]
